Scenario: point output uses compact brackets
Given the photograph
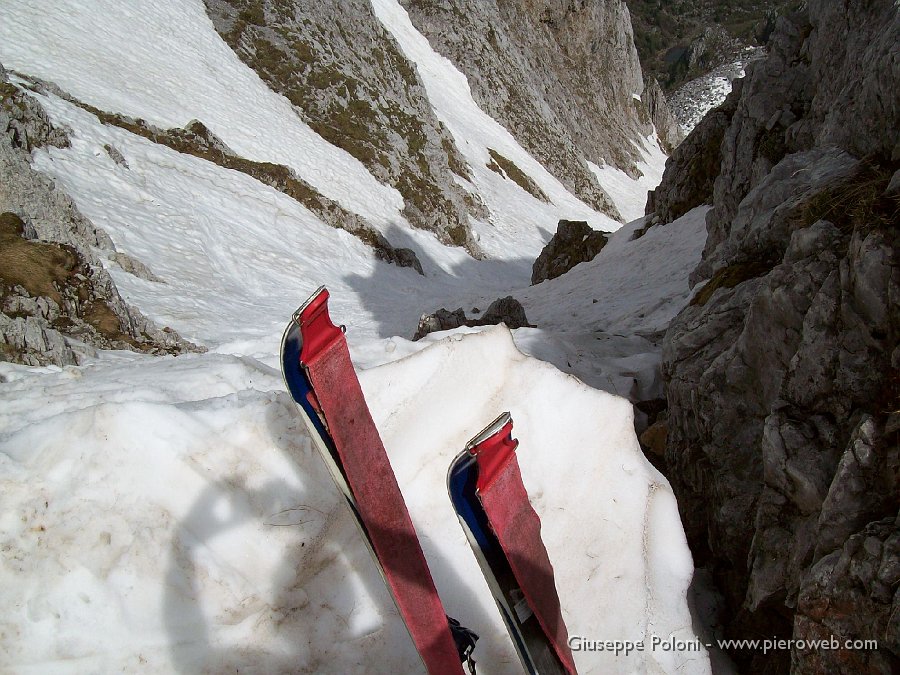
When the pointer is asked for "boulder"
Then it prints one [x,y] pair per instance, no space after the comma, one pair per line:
[442,319]
[574,242]
[506,310]
[401,257]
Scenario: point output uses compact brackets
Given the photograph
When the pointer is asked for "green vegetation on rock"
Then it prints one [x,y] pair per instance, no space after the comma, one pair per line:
[508,169]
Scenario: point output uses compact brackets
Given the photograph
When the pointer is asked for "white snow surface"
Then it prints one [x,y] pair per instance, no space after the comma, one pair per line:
[169,514]
[630,194]
[164,62]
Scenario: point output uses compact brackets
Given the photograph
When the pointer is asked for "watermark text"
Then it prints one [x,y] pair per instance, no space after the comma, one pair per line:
[578,643]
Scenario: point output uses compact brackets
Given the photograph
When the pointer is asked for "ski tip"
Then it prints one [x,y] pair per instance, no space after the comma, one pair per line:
[491,429]
[317,332]
[493,448]
[320,291]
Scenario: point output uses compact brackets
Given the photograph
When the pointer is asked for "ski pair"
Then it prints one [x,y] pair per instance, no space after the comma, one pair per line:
[485,487]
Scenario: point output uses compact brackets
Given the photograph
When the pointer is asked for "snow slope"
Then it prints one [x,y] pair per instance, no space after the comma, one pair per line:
[692,100]
[603,320]
[165,63]
[168,514]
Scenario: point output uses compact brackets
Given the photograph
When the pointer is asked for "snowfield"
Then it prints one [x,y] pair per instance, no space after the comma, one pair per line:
[170,515]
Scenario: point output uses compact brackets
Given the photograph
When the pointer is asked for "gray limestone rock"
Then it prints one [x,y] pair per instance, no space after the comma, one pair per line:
[442,319]
[855,583]
[134,266]
[48,213]
[33,342]
[781,374]
[667,127]
[115,155]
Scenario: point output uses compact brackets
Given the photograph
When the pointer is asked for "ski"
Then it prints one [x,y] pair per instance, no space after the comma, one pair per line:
[486,489]
[319,375]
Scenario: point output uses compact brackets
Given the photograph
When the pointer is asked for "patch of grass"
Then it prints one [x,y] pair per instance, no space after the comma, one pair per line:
[423,195]
[57,272]
[457,235]
[507,168]
[729,277]
[99,315]
[253,15]
[457,163]
[858,201]
[7,91]
[304,52]
[40,268]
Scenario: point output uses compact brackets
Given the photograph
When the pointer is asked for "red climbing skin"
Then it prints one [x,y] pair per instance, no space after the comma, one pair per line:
[518,529]
[493,454]
[326,360]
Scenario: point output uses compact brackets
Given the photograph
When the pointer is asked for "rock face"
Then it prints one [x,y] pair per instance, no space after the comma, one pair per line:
[57,302]
[667,127]
[560,75]
[574,242]
[695,165]
[782,374]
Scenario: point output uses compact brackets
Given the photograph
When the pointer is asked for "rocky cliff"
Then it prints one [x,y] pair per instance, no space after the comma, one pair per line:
[562,76]
[663,116]
[782,374]
[351,83]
